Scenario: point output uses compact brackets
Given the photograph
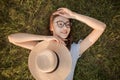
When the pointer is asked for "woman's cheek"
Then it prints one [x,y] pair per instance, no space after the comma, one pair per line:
[69,31]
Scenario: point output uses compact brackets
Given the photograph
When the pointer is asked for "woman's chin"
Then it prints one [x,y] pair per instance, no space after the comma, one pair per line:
[63,36]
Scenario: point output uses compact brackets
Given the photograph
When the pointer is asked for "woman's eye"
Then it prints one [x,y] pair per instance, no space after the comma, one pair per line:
[68,25]
[60,24]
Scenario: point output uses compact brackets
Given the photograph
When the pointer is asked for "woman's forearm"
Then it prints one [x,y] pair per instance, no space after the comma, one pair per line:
[23,37]
[93,23]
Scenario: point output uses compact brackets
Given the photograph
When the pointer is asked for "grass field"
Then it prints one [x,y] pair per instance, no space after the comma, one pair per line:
[99,62]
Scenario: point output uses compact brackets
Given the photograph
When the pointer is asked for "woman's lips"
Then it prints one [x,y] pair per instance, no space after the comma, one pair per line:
[65,32]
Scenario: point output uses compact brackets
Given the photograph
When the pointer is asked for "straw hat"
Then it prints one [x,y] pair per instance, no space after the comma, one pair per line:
[50,61]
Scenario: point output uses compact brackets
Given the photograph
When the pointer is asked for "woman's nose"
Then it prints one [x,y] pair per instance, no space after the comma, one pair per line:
[64,27]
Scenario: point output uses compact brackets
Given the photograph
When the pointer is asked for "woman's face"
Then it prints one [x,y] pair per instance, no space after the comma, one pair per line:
[61,27]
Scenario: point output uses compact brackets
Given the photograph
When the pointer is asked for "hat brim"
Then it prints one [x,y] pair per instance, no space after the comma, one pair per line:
[65,61]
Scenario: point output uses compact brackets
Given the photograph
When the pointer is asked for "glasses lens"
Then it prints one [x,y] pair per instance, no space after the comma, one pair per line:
[60,24]
[68,24]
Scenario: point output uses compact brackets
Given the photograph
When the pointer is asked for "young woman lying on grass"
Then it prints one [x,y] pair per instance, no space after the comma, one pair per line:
[60,26]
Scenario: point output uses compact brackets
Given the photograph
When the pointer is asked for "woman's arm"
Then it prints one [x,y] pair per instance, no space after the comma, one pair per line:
[97,26]
[25,40]
[28,41]
[23,37]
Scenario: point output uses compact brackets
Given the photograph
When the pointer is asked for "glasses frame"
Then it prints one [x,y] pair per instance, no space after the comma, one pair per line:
[64,23]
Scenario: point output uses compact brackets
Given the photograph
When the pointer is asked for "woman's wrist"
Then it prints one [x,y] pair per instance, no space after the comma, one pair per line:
[79,17]
[73,15]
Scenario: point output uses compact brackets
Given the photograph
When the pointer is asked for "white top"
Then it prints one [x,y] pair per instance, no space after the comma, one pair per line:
[75,54]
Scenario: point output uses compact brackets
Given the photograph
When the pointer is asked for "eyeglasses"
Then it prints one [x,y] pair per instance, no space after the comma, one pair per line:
[61,24]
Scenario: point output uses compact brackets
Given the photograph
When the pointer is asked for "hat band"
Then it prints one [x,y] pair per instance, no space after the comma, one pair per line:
[57,63]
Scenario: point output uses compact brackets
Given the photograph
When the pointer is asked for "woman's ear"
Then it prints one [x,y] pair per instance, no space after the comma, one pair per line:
[51,28]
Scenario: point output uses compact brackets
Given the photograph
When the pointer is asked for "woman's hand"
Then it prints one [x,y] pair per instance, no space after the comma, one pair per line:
[57,39]
[64,12]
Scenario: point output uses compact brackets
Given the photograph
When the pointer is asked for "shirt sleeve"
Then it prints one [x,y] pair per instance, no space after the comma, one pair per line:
[79,41]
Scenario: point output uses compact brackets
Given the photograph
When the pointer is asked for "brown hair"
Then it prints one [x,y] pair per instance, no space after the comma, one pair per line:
[52,17]
[69,38]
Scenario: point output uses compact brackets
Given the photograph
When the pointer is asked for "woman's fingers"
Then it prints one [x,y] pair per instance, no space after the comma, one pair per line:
[57,39]
[60,40]
[61,13]
[61,8]
[58,12]
[64,12]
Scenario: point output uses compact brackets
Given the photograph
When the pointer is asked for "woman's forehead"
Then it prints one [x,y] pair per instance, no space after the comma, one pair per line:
[60,18]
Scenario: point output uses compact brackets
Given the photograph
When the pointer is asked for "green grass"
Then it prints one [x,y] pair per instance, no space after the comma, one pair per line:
[99,62]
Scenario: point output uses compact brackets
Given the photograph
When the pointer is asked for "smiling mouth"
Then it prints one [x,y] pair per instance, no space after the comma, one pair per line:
[64,32]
